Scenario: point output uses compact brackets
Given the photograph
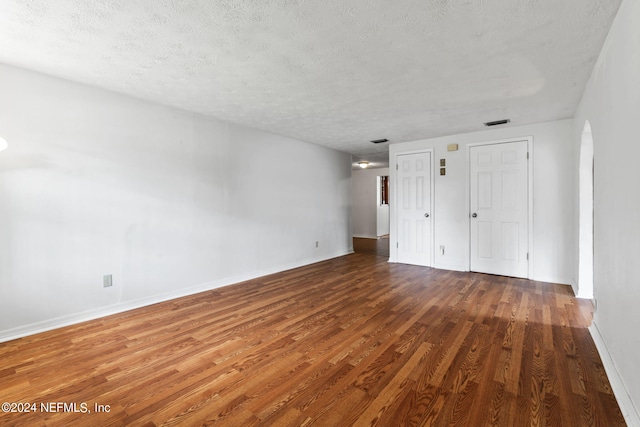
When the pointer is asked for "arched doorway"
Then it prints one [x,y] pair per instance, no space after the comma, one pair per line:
[585,261]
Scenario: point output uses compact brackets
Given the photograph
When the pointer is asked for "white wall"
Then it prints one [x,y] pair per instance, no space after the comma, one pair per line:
[366,202]
[554,248]
[611,103]
[167,201]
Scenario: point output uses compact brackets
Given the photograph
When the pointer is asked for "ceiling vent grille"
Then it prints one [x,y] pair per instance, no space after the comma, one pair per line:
[498,122]
[380,141]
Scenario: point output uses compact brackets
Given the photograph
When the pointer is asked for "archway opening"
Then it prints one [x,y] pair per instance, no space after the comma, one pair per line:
[585,262]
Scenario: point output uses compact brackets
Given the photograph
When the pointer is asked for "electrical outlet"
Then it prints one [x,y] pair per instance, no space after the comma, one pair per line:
[107,281]
[317,244]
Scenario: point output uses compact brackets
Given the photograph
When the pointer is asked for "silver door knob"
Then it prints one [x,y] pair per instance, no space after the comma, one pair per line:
[474,215]
[426,215]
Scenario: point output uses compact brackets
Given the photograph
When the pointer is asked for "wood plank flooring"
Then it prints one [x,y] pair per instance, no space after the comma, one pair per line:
[378,247]
[350,341]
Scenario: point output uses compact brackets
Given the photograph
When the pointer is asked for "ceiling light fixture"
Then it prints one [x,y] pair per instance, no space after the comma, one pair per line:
[498,122]
[363,164]
[380,141]
[3,144]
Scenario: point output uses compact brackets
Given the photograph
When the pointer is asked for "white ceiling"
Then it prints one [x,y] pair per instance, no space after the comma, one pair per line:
[332,72]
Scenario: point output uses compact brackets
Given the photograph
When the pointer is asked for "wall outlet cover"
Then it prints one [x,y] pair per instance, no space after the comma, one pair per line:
[107,280]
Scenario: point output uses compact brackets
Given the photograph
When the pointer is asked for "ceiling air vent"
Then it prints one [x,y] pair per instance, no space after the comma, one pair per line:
[498,122]
[380,141]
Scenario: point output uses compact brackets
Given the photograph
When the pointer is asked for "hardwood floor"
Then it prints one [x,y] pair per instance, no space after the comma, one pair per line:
[350,341]
[378,247]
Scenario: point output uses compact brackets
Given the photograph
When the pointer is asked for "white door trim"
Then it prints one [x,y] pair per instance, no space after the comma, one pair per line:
[529,140]
[393,169]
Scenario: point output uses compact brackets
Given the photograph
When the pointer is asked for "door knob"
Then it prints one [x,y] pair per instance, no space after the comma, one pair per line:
[474,215]
[426,215]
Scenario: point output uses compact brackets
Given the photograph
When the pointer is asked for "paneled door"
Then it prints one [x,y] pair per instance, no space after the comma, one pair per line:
[414,208]
[499,200]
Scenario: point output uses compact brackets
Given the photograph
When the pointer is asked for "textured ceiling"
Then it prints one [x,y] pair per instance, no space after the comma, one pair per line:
[333,72]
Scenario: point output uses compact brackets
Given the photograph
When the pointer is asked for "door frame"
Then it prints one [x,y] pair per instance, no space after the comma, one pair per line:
[529,140]
[393,213]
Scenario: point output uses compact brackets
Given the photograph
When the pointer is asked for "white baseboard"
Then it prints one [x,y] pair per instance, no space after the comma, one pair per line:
[365,236]
[629,411]
[575,290]
[75,318]
[558,280]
